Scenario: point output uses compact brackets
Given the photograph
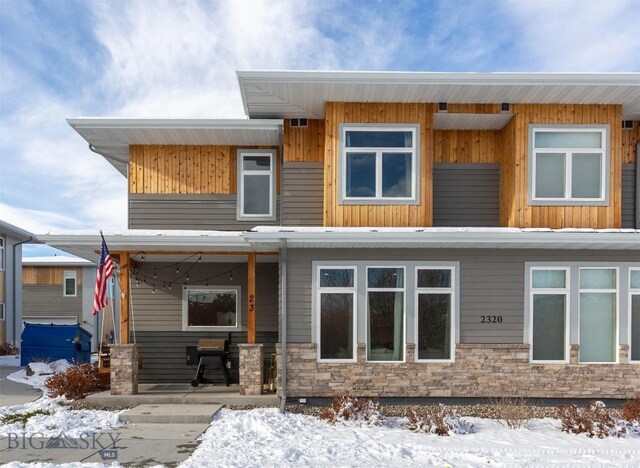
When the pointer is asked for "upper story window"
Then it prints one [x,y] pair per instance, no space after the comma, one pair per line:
[568,165]
[256,185]
[380,164]
[70,279]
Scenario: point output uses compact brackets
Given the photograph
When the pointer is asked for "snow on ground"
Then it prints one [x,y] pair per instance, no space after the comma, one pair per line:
[264,436]
[42,371]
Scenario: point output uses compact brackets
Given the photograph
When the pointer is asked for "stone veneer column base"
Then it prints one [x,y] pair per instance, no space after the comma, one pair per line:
[251,363]
[124,369]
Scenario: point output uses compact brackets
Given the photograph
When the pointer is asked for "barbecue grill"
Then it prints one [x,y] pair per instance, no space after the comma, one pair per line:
[210,353]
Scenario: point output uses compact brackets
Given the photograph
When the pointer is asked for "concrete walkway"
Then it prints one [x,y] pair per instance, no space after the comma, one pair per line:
[13,393]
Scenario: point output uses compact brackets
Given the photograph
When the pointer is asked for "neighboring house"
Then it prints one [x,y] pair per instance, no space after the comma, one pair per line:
[395,234]
[59,290]
[11,240]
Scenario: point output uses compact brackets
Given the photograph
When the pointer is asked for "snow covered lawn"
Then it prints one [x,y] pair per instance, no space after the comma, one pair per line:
[265,437]
[41,372]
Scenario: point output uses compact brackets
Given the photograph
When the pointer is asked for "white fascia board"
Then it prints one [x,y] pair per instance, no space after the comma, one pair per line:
[176,124]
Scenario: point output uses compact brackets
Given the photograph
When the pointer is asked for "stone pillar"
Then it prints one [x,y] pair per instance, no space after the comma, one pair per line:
[574,354]
[124,369]
[251,364]
[624,354]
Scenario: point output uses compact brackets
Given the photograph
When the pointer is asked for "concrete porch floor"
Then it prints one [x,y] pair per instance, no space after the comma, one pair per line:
[183,393]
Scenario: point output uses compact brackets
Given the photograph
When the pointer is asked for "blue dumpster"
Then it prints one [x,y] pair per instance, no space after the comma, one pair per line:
[52,342]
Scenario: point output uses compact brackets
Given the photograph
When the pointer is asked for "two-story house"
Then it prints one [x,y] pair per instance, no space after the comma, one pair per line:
[391,234]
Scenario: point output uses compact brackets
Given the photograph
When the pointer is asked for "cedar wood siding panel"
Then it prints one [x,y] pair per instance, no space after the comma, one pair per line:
[466,195]
[629,209]
[630,138]
[466,146]
[304,144]
[48,301]
[162,310]
[303,198]
[216,212]
[491,283]
[43,275]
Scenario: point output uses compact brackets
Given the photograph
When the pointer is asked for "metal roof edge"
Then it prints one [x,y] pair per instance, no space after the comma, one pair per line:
[189,124]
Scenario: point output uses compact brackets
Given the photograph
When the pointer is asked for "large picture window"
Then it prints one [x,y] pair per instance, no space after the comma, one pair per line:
[256,185]
[634,309]
[385,313]
[211,308]
[69,287]
[549,306]
[598,314]
[568,165]
[434,313]
[336,299]
[379,164]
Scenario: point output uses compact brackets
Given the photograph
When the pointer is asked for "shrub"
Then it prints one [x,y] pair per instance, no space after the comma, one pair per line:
[22,418]
[345,407]
[439,420]
[76,382]
[592,420]
[630,411]
[8,349]
[513,412]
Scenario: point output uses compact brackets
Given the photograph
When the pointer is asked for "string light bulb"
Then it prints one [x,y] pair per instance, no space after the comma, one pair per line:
[155,274]
[153,290]
[231,276]
[200,259]
[187,276]
[178,270]
[169,286]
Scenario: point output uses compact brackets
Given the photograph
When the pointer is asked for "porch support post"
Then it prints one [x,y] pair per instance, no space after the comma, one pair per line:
[124,298]
[251,359]
[251,297]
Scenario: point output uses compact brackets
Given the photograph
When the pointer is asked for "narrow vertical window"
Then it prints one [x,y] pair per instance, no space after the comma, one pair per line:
[256,185]
[434,313]
[634,322]
[385,313]
[336,306]
[1,253]
[549,313]
[69,286]
[598,318]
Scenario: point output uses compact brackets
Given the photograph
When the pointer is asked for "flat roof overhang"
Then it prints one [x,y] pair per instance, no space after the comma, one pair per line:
[303,94]
[111,137]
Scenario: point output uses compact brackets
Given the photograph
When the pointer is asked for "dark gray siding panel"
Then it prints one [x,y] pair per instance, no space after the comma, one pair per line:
[491,283]
[629,198]
[198,212]
[47,301]
[163,354]
[466,195]
[162,310]
[303,194]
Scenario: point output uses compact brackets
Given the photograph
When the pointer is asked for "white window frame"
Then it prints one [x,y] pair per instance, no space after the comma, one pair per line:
[604,150]
[450,290]
[616,341]
[632,292]
[2,312]
[404,311]
[566,291]
[414,199]
[217,289]
[1,253]
[69,274]
[271,154]
[339,290]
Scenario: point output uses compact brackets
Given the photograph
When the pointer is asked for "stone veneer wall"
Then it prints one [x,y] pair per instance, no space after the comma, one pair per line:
[479,370]
[251,362]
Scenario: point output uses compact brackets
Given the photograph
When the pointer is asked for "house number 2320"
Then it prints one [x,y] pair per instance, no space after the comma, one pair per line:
[491,319]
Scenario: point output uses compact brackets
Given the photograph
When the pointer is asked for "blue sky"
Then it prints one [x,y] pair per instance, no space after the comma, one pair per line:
[152,58]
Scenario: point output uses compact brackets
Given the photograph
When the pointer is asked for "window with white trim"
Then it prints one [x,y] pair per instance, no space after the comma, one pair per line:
[336,306]
[2,316]
[434,313]
[385,313]
[211,308]
[70,286]
[256,184]
[598,306]
[634,314]
[1,253]
[549,313]
[380,163]
[568,165]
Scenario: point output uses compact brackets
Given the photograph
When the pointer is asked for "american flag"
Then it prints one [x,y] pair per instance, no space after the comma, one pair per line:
[105,270]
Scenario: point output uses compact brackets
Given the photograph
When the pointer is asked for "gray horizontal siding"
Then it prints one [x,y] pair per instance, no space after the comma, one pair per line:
[162,310]
[47,301]
[199,212]
[303,194]
[466,195]
[163,354]
[629,208]
[491,283]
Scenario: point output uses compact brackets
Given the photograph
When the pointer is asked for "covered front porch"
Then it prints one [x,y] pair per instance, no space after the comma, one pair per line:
[176,288]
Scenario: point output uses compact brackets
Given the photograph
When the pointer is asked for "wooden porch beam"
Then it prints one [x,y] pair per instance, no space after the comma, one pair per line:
[251,297]
[124,298]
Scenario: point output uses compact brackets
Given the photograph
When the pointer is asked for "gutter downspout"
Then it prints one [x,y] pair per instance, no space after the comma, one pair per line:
[637,211]
[283,325]
[15,290]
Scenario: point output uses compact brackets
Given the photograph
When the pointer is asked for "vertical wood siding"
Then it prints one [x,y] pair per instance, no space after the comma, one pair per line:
[337,214]
[465,146]
[185,169]
[304,144]
[32,275]
[630,138]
